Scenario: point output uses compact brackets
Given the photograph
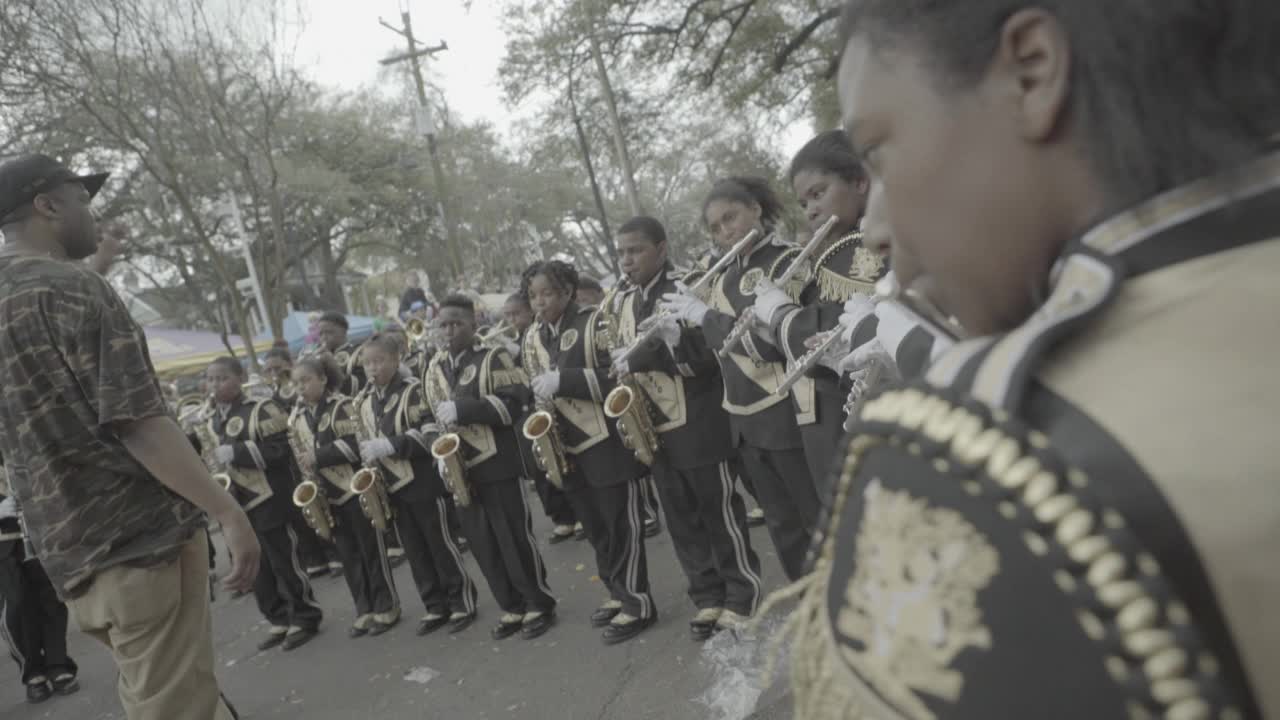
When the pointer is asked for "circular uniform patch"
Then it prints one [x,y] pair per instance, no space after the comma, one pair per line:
[326,422]
[235,426]
[468,374]
[343,359]
[749,280]
[568,339]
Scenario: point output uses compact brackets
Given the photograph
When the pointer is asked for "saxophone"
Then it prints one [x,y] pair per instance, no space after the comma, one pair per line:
[208,444]
[309,497]
[540,427]
[447,449]
[627,403]
[367,483]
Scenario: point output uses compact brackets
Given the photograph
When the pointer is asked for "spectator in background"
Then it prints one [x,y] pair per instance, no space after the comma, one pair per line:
[590,292]
[413,293]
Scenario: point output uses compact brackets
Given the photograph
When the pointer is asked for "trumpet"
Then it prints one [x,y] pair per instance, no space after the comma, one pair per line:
[743,326]
[629,406]
[650,326]
[416,331]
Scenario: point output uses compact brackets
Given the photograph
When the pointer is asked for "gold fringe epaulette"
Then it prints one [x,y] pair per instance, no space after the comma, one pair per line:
[837,284]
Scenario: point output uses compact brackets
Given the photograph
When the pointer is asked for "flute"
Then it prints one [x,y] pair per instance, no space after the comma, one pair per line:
[743,326]
[650,326]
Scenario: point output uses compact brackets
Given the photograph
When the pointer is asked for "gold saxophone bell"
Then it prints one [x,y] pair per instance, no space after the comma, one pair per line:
[548,450]
[630,407]
[368,486]
[315,508]
[416,331]
[447,449]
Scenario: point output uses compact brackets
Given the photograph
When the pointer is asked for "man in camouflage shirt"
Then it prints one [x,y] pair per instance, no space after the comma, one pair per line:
[110,491]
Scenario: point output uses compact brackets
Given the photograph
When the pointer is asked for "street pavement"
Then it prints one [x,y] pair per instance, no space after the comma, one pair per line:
[568,674]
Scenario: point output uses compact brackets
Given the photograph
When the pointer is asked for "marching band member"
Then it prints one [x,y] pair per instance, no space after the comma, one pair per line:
[34,620]
[763,424]
[480,391]
[1073,513]
[693,467]
[518,313]
[394,413]
[334,458]
[829,182]
[332,328]
[572,370]
[254,450]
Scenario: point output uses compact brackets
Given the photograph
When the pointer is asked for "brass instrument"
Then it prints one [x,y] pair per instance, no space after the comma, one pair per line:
[368,483]
[492,335]
[540,428]
[416,331]
[743,326]
[308,496]
[208,444]
[447,449]
[650,326]
[628,405]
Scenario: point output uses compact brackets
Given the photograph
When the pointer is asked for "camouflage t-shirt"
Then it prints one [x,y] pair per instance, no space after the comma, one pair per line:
[73,367]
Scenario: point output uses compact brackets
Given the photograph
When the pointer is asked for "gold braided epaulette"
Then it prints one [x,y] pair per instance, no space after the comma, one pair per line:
[1121,598]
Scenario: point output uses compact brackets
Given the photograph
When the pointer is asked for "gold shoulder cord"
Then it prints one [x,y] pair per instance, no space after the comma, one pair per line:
[824,687]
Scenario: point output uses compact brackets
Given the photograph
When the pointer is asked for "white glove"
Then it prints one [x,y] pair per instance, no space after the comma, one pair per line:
[856,309]
[224,454]
[620,365]
[546,385]
[864,355]
[685,307]
[447,413]
[510,346]
[769,300]
[373,450]
[8,508]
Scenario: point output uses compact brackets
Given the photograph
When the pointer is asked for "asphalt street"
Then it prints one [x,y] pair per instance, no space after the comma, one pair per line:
[567,674]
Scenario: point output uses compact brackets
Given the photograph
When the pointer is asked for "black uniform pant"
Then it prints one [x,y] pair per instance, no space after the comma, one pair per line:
[708,525]
[790,502]
[648,499]
[434,558]
[35,620]
[821,443]
[313,552]
[613,520]
[500,528]
[364,563]
[282,589]
[555,502]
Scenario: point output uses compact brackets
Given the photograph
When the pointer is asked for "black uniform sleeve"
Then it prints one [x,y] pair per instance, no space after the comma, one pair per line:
[507,400]
[345,448]
[269,448]
[420,427]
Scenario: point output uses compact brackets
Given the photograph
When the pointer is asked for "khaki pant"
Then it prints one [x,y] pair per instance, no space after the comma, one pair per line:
[157,624]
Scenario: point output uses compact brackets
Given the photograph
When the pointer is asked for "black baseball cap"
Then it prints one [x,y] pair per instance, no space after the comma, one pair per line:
[25,177]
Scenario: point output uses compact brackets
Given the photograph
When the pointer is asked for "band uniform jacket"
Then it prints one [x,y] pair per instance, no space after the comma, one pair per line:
[845,269]
[399,413]
[349,359]
[334,430]
[262,467]
[1078,518]
[682,385]
[580,352]
[754,369]
[490,392]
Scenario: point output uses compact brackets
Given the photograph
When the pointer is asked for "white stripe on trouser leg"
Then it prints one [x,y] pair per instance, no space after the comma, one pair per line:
[384,563]
[308,598]
[5,608]
[735,535]
[533,544]
[468,590]
[634,539]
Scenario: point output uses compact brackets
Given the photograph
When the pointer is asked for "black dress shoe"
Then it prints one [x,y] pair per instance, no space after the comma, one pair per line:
[538,626]
[271,641]
[464,545]
[615,633]
[461,622]
[703,625]
[652,527]
[432,624]
[507,627]
[603,616]
[65,684]
[39,692]
[295,640]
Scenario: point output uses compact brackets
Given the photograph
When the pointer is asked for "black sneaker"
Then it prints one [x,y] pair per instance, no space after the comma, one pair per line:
[432,623]
[605,614]
[536,624]
[508,625]
[460,621]
[39,691]
[295,640]
[272,640]
[624,627]
[65,684]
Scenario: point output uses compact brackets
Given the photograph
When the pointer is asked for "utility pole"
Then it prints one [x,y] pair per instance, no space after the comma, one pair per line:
[413,55]
[615,123]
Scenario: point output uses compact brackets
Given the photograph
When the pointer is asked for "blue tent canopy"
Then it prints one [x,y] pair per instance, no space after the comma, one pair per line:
[298,324]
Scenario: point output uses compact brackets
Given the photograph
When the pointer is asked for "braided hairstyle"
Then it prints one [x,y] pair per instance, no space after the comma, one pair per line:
[324,366]
[560,274]
[747,190]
